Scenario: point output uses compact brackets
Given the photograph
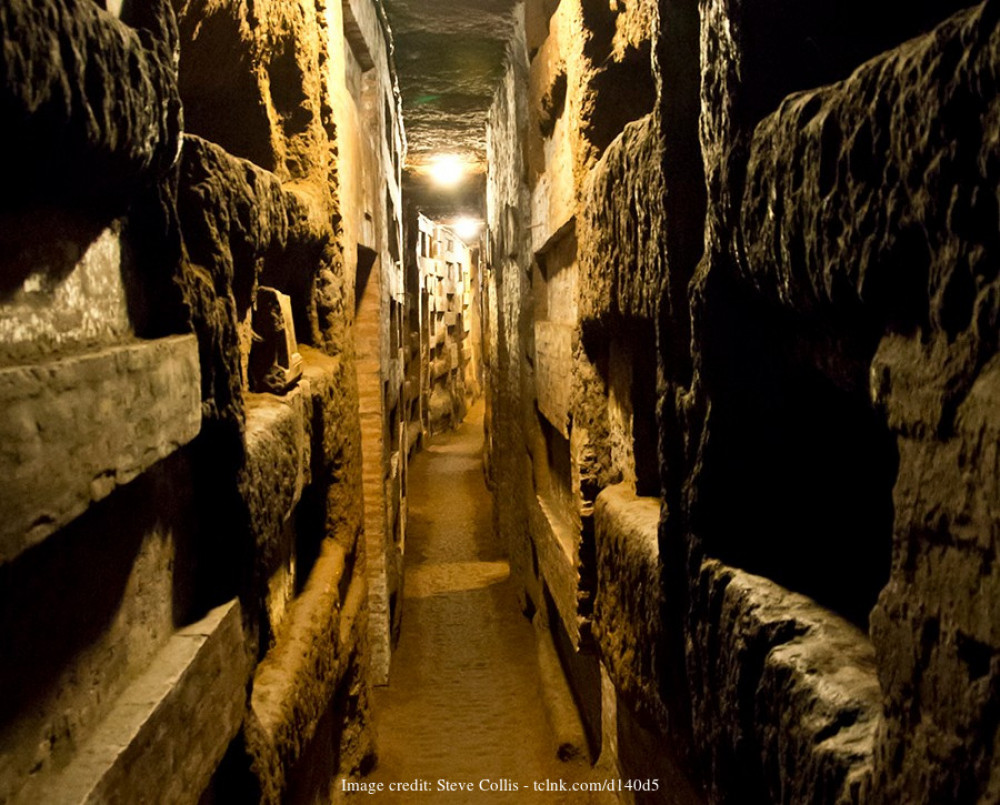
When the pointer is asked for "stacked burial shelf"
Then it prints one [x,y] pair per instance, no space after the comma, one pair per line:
[450,382]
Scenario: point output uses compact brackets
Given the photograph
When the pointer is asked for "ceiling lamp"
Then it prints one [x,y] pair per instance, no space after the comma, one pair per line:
[467,228]
[447,170]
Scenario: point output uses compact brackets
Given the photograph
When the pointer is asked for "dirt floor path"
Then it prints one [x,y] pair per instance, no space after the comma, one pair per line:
[464,701]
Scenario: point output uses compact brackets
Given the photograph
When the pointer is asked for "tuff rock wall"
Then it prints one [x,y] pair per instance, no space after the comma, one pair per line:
[186,560]
[741,319]
[450,330]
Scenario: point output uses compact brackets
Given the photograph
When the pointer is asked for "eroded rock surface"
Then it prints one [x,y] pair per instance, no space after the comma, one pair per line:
[90,103]
[825,327]
[876,218]
[450,56]
[152,484]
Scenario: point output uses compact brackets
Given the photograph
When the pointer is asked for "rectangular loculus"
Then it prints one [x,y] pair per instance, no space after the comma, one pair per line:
[275,363]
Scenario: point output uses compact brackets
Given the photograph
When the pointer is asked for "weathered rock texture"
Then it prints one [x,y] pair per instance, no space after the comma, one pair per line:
[890,226]
[628,608]
[449,341]
[89,424]
[169,728]
[450,57]
[572,297]
[784,695]
[701,242]
[374,146]
[740,310]
[90,103]
[184,573]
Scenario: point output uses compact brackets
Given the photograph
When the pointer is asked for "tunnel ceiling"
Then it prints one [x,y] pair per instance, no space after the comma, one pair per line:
[449,55]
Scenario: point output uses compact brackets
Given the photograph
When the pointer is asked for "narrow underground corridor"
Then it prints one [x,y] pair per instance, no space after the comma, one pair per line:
[465,705]
[727,277]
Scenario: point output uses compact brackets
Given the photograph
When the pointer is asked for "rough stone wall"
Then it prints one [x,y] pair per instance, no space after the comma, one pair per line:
[774,267]
[506,290]
[913,208]
[448,270]
[572,290]
[371,151]
[183,566]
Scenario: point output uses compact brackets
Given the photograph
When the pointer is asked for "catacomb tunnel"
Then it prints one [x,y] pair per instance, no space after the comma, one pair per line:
[459,401]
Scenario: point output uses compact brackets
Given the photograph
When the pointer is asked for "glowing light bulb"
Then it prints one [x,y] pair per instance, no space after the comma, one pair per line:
[447,170]
[467,228]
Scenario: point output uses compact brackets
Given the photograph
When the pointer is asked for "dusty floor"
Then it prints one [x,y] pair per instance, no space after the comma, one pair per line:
[464,702]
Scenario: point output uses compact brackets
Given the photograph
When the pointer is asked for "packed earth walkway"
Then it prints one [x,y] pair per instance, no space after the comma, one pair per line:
[464,704]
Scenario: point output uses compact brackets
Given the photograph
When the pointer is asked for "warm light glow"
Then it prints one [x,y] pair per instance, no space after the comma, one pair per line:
[467,228]
[447,170]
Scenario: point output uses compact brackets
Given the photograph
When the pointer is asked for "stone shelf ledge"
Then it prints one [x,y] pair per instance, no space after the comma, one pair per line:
[553,210]
[295,683]
[75,428]
[777,680]
[285,434]
[168,731]
[785,685]
[629,597]
[556,541]
[279,449]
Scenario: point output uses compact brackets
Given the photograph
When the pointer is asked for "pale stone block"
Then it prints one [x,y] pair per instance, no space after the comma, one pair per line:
[76,428]
[553,363]
[170,728]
